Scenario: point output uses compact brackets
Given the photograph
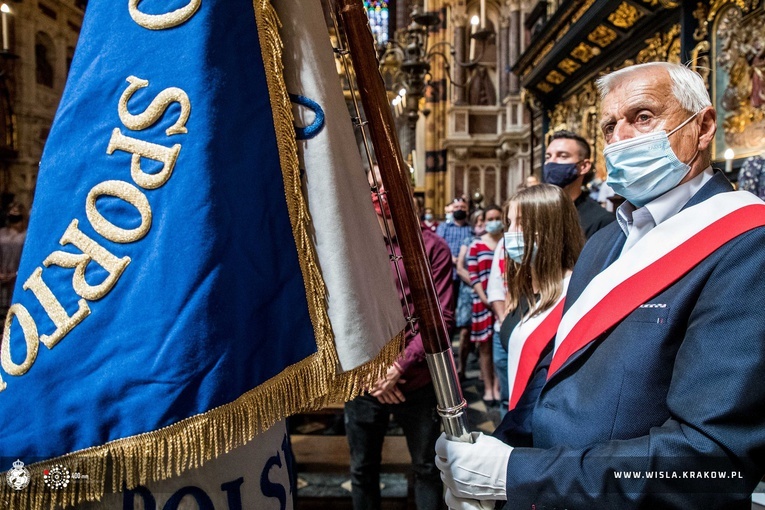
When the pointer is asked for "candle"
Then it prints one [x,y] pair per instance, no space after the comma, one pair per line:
[424,5]
[728,160]
[474,21]
[5,10]
[483,14]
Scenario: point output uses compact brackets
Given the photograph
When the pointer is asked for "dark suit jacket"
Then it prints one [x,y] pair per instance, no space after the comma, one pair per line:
[676,393]
[592,217]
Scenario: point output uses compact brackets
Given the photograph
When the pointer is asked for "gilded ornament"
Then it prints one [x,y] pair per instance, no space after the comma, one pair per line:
[700,60]
[555,77]
[741,104]
[585,52]
[667,4]
[543,53]
[673,54]
[563,31]
[545,87]
[568,66]
[578,113]
[581,11]
[718,4]
[602,36]
[624,16]
[701,16]
[664,47]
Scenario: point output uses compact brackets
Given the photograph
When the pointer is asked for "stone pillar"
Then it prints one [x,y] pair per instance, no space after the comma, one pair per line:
[459,73]
[402,14]
[515,31]
[504,57]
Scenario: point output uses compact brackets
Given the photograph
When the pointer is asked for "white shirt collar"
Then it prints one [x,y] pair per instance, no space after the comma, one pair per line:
[664,207]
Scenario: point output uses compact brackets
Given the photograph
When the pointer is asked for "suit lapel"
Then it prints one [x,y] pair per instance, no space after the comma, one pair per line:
[605,257]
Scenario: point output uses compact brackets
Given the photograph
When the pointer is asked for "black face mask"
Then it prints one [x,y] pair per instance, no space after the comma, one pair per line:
[14,218]
[560,174]
[460,215]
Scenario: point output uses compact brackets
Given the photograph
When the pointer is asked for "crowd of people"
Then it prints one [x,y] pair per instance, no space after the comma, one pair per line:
[478,240]
[611,343]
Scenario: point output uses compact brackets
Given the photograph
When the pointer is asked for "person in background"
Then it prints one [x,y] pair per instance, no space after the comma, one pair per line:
[530,180]
[453,233]
[480,256]
[658,360]
[448,213]
[544,218]
[12,238]
[464,312]
[751,177]
[567,162]
[429,220]
[406,391]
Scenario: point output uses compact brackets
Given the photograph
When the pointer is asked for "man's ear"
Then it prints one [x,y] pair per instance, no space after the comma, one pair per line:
[707,127]
[586,167]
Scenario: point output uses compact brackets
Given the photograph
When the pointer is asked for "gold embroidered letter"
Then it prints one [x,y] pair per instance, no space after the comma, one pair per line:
[90,251]
[163,21]
[129,194]
[139,148]
[29,328]
[156,109]
[63,322]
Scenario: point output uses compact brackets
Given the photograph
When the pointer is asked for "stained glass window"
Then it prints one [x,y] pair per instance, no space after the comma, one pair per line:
[378,20]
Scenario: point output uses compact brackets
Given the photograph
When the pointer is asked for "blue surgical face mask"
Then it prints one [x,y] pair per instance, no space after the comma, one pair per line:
[560,174]
[449,217]
[645,167]
[493,226]
[514,246]
[428,217]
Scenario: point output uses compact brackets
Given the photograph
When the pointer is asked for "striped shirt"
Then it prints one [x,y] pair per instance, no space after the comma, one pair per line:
[480,257]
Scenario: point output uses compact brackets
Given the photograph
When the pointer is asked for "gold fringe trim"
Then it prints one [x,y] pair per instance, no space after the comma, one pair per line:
[307,385]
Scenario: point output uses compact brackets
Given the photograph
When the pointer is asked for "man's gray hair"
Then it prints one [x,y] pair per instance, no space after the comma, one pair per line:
[687,86]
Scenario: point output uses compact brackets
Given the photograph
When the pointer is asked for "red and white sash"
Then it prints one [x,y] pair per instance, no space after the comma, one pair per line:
[527,341]
[655,262]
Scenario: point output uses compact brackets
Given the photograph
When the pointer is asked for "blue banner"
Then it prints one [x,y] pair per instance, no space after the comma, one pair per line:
[161,278]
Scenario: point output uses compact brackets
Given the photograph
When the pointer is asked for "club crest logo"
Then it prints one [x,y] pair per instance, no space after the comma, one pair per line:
[18,477]
[57,477]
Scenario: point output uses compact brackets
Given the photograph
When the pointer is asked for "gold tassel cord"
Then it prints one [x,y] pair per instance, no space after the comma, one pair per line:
[188,444]
[307,385]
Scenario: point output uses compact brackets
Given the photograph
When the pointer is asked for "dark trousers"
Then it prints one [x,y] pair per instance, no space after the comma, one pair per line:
[366,421]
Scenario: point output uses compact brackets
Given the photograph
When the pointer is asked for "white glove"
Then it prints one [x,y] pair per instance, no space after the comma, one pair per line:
[474,470]
[455,503]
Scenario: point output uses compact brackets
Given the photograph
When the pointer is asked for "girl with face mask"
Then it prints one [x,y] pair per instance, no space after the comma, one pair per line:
[542,243]
[480,255]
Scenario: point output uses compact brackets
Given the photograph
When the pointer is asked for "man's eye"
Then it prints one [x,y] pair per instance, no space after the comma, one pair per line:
[643,117]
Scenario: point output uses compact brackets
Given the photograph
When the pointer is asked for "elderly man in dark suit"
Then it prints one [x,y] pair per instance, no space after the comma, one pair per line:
[652,396]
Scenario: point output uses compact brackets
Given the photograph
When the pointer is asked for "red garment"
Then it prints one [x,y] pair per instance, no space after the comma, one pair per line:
[432,227]
[412,360]
[480,257]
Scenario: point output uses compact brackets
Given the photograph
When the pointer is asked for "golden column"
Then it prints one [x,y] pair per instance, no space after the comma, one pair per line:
[434,113]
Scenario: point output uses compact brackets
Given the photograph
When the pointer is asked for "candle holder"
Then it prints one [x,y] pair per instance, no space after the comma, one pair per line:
[482,34]
[409,57]
[426,19]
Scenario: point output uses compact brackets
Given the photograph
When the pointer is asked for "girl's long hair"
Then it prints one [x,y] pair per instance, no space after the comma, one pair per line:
[549,221]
